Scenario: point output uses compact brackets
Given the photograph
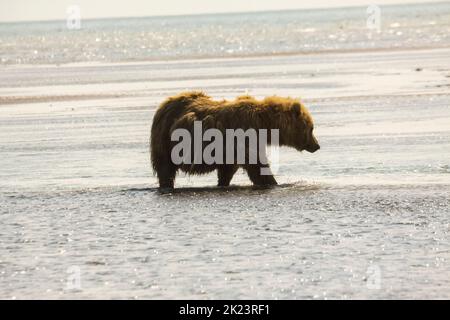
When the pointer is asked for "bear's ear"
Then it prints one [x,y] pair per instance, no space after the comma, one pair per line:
[296,107]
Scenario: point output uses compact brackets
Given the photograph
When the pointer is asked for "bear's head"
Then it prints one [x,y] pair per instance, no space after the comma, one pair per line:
[302,134]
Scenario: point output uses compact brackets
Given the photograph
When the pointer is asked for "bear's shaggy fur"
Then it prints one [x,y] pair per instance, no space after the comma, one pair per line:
[288,115]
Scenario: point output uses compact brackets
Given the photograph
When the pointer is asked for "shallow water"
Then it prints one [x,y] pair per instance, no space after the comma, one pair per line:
[365,217]
[224,35]
[295,241]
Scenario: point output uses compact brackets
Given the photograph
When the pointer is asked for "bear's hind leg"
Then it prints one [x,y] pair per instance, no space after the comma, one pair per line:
[166,176]
[225,174]
[259,179]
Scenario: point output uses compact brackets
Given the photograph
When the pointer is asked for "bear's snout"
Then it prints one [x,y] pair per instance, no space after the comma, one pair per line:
[313,148]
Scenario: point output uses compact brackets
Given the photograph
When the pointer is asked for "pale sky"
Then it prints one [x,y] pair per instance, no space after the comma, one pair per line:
[22,10]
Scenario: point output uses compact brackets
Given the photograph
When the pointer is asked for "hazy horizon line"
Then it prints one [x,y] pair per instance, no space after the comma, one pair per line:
[230,12]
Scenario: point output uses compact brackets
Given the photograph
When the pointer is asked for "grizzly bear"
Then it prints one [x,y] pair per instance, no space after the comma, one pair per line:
[190,110]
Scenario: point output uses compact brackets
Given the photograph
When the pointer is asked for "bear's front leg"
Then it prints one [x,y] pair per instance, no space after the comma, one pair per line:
[225,174]
[255,174]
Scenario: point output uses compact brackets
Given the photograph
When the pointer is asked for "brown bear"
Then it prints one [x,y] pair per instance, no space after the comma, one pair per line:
[191,111]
